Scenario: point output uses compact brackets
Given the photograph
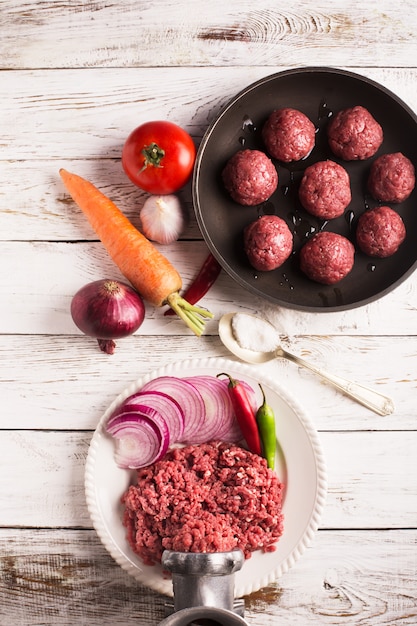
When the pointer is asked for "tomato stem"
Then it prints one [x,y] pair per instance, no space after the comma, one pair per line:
[153,156]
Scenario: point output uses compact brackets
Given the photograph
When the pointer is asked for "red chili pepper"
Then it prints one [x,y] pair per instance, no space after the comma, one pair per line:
[244,414]
[205,278]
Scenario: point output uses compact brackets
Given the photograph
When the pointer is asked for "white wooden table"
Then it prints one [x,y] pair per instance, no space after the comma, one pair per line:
[76,78]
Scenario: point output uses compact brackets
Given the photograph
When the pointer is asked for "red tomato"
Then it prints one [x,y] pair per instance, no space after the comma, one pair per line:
[159,157]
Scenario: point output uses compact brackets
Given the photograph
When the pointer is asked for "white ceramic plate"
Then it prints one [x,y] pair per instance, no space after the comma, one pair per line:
[299,465]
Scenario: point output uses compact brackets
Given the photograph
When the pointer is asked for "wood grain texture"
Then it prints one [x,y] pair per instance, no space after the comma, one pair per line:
[38,300]
[365,490]
[67,577]
[35,207]
[88,113]
[130,34]
[345,576]
[66,383]
[76,78]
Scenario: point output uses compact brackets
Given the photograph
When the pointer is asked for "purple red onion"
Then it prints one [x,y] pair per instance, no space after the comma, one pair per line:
[165,404]
[142,437]
[169,410]
[190,400]
[107,310]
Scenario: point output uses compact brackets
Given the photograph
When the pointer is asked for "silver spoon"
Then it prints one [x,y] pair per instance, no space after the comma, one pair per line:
[368,397]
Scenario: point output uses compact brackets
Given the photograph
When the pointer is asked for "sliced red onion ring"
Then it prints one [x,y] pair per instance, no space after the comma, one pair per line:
[142,436]
[220,420]
[167,406]
[190,401]
[169,410]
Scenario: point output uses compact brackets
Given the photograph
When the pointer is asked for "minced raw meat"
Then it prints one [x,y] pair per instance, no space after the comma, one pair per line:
[268,242]
[391,178]
[289,135]
[327,257]
[250,177]
[212,497]
[354,134]
[325,189]
[380,232]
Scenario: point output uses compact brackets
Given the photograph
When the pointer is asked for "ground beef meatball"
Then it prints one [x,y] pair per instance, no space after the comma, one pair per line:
[250,177]
[325,189]
[289,135]
[380,232]
[268,242]
[327,257]
[391,178]
[354,134]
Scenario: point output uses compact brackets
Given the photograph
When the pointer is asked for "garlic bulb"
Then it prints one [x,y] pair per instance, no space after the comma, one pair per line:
[162,218]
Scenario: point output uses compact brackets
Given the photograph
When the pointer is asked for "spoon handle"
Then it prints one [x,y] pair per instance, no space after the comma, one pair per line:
[368,397]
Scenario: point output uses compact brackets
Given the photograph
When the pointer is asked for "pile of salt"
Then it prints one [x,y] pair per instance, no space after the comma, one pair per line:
[254,333]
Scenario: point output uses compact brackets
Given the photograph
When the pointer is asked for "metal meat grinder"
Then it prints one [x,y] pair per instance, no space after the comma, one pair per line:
[203,586]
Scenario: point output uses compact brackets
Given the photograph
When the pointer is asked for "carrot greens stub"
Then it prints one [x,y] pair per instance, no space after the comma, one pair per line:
[206,277]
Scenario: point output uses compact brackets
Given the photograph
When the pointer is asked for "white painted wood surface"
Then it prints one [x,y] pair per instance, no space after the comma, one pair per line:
[75,79]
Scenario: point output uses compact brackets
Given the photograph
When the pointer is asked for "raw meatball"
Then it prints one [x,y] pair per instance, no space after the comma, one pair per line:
[325,189]
[391,178]
[268,242]
[250,177]
[380,232]
[327,257]
[288,135]
[354,135]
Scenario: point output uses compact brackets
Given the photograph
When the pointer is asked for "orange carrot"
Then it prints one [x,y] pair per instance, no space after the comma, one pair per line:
[147,269]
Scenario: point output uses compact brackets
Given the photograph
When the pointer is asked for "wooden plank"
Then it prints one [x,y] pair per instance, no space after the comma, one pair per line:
[35,207]
[88,113]
[215,34]
[371,479]
[67,578]
[66,383]
[40,278]
[366,577]
[122,63]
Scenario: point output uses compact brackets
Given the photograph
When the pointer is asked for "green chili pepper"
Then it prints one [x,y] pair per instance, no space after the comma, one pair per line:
[265,419]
